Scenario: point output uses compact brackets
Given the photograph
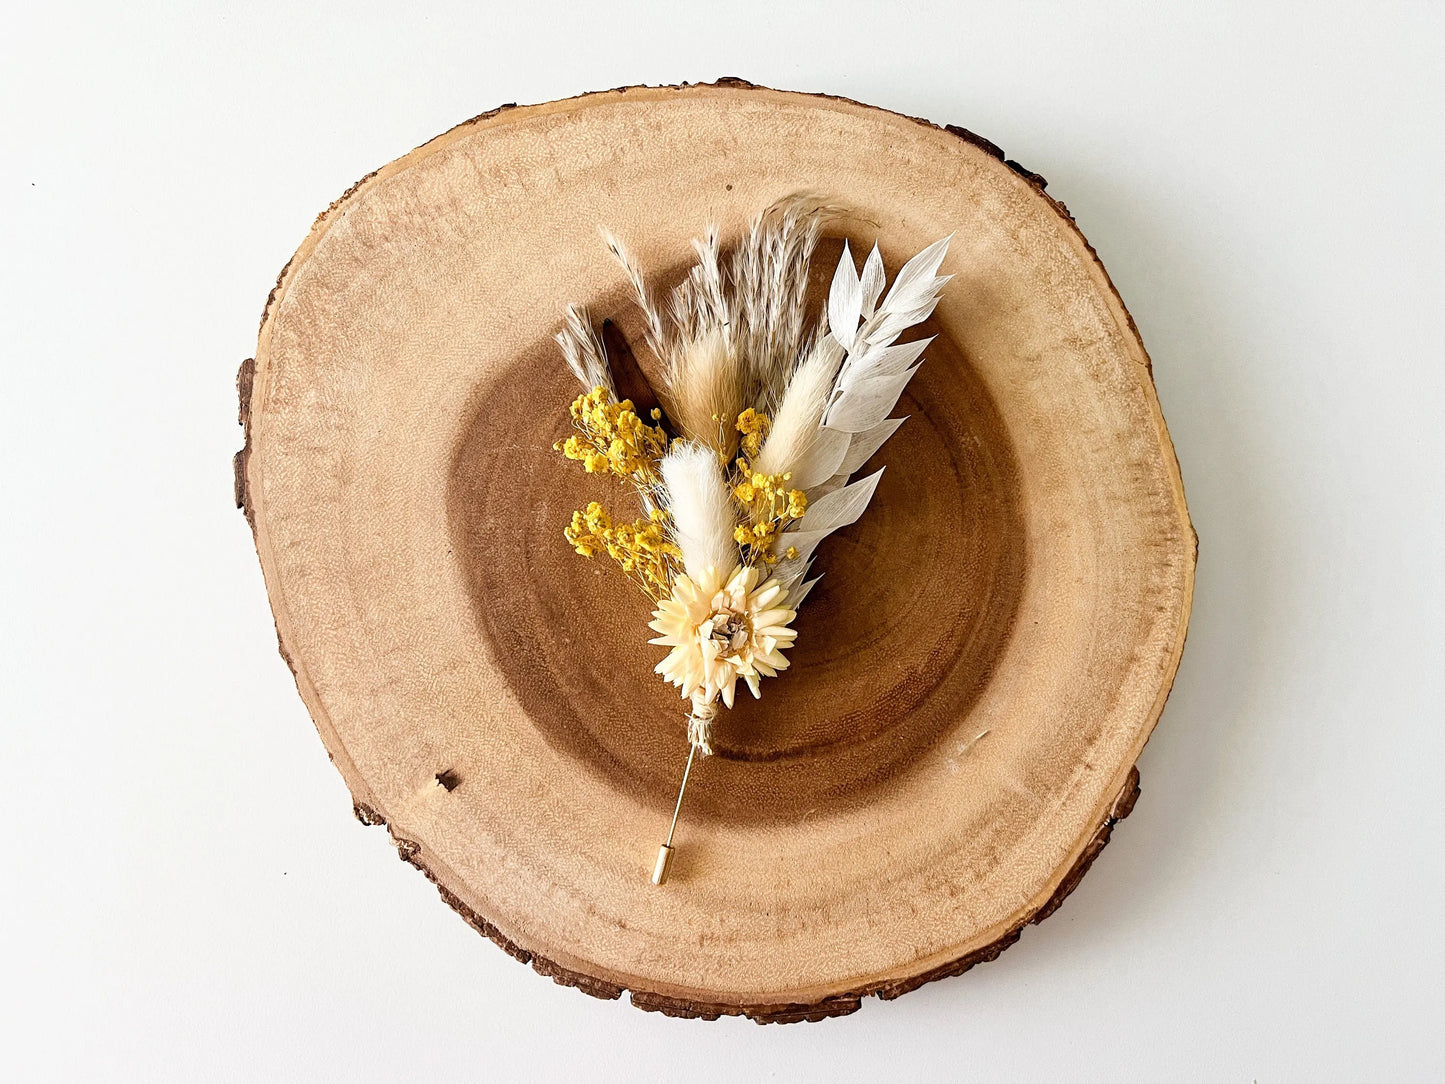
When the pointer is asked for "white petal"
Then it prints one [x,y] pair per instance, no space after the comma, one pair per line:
[916,276]
[822,489]
[871,284]
[820,462]
[864,444]
[797,595]
[790,570]
[845,300]
[868,403]
[882,360]
[805,542]
[764,596]
[838,509]
[895,323]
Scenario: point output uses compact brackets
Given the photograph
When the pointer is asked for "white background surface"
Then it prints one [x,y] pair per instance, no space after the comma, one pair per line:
[185,893]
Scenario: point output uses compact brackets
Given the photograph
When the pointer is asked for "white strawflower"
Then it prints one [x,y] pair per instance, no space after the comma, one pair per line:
[721,629]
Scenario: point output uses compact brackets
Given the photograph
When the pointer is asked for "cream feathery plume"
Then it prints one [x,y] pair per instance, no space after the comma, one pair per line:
[702,509]
[798,443]
[704,393]
[769,279]
[583,350]
[755,303]
[657,339]
[701,303]
[704,379]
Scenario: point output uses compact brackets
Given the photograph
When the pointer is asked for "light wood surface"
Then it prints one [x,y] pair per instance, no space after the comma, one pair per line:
[1025,571]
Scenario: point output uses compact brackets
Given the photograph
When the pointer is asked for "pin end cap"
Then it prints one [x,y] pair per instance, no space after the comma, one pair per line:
[664,862]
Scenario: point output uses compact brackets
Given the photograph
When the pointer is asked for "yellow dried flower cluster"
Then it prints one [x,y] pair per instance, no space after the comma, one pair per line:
[640,547]
[612,439]
[754,426]
[771,505]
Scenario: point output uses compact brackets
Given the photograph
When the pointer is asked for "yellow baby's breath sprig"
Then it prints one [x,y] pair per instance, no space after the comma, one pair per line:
[641,547]
[612,439]
[770,504]
[754,426]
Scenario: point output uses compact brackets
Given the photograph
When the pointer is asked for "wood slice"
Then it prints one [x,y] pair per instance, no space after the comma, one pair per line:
[1024,574]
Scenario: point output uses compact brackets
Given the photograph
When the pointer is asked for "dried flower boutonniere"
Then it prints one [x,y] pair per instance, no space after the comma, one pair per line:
[743,466]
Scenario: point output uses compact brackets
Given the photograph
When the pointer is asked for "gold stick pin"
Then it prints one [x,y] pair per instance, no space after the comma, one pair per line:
[664,853]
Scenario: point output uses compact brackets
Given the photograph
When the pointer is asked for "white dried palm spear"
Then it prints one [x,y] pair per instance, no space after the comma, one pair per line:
[824,438]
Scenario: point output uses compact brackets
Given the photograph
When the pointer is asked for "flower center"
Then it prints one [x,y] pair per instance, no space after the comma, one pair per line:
[730,630]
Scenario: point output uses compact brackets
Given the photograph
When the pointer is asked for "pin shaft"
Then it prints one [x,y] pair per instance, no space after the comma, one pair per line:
[664,853]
